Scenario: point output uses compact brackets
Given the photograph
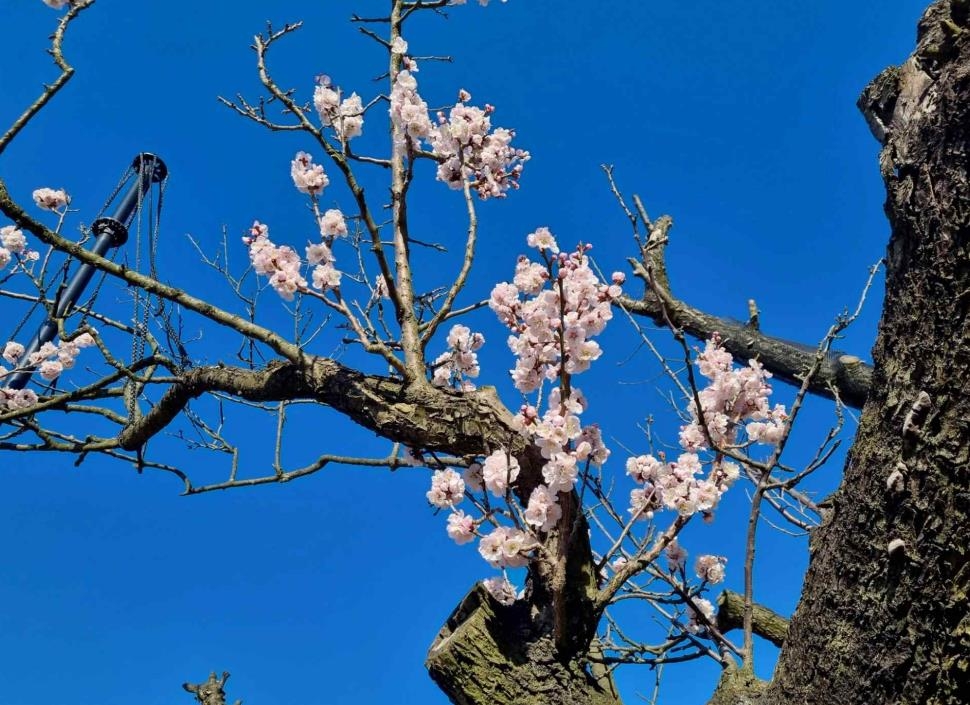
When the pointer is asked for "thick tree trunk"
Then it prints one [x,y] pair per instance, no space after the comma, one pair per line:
[885,611]
[488,654]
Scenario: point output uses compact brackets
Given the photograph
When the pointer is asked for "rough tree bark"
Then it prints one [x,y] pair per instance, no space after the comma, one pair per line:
[884,615]
[874,624]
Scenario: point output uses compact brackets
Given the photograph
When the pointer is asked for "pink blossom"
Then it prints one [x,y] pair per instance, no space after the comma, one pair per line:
[710,568]
[505,547]
[332,224]
[56,4]
[85,340]
[307,176]
[676,556]
[473,478]
[51,199]
[704,607]
[543,511]
[643,468]
[12,352]
[13,239]
[543,240]
[643,502]
[327,102]
[461,528]
[326,277]
[530,277]
[499,587]
[319,253]
[447,488]
[51,370]
[4,257]
[499,471]
[350,117]
[561,472]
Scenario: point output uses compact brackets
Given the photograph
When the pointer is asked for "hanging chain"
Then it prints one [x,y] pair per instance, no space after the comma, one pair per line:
[146,304]
[139,316]
[86,307]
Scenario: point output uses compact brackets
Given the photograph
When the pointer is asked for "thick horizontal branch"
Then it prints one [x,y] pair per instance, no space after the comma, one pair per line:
[787,361]
[840,376]
[419,416]
[765,623]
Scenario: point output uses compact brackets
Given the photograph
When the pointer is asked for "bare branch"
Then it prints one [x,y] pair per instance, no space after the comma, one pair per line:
[50,91]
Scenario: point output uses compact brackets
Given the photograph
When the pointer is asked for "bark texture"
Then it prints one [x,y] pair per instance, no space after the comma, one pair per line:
[885,614]
[489,654]
[764,622]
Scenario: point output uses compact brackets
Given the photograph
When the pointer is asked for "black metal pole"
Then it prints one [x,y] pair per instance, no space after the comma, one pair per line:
[110,232]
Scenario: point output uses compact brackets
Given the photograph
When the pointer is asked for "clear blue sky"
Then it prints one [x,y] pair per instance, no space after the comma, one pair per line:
[738,119]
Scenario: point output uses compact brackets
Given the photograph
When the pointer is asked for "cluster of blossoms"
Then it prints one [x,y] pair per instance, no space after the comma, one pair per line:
[16,399]
[710,568]
[409,112]
[51,199]
[543,331]
[461,528]
[280,263]
[507,547]
[464,142]
[460,361]
[325,275]
[447,488]
[59,4]
[732,397]
[553,309]
[52,359]
[565,443]
[308,177]
[13,242]
[468,148]
[707,567]
[676,485]
[345,116]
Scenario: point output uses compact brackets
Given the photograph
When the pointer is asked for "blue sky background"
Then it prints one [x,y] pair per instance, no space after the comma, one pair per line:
[737,119]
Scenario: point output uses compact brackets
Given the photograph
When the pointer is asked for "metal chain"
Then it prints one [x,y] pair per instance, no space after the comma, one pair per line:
[139,315]
[114,253]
